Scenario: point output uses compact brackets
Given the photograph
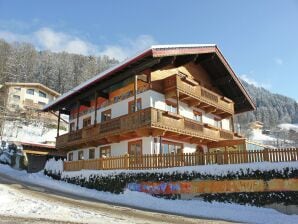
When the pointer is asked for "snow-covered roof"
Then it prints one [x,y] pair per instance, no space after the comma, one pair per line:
[155,51]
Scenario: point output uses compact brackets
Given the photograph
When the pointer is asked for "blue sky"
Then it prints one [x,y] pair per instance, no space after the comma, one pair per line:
[258,38]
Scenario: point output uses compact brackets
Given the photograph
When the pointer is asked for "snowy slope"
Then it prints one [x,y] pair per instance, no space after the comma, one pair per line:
[15,203]
[34,132]
[196,208]
[288,127]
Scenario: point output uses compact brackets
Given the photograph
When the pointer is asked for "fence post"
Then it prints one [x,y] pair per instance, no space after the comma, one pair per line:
[266,154]
[226,160]
[126,161]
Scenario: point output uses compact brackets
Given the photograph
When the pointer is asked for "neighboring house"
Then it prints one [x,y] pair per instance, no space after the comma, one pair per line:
[26,99]
[167,99]
[25,96]
[256,126]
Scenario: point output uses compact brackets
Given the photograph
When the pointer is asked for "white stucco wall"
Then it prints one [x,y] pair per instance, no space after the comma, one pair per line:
[148,146]
[154,99]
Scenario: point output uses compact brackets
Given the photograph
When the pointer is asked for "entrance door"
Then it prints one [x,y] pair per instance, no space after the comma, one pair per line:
[135,151]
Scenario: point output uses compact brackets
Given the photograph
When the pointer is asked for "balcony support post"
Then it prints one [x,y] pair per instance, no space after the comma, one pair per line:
[78,114]
[58,126]
[135,92]
[177,94]
[95,108]
[232,123]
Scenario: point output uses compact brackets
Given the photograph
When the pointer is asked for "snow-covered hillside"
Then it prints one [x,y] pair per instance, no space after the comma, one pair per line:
[29,132]
[288,127]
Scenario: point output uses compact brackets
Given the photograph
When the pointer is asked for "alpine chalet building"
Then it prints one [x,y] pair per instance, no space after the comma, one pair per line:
[167,99]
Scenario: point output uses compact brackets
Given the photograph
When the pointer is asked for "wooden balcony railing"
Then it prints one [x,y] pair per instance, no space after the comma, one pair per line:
[224,134]
[157,161]
[200,93]
[146,118]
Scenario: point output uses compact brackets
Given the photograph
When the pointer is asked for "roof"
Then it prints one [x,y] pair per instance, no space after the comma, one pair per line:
[222,72]
[29,84]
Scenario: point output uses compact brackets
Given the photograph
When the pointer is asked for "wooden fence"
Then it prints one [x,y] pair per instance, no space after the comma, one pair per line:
[157,161]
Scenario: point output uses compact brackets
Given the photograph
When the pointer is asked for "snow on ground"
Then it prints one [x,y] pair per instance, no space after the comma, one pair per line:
[33,133]
[15,203]
[288,127]
[259,136]
[215,169]
[197,208]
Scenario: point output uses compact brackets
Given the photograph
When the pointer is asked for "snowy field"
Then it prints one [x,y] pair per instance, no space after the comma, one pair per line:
[233,212]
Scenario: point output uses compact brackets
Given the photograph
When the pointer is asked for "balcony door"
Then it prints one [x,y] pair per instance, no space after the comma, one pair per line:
[135,151]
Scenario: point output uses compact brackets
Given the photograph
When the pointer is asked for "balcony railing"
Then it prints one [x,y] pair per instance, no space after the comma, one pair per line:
[147,118]
[199,93]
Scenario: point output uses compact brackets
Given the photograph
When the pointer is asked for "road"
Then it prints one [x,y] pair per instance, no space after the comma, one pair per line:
[43,205]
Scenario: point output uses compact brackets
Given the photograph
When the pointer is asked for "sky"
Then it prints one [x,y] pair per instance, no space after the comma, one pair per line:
[258,38]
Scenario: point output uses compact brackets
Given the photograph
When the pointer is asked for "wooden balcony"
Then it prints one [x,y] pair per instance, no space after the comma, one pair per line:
[145,122]
[193,94]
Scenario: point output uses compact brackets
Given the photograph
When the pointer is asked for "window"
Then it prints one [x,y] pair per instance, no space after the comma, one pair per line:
[86,122]
[30,91]
[70,156]
[171,107]
[41,103]
[135,151]
[91,153]
[171,147]
[106,115]
[17,89]
[218,123]
[197,116]
[42,94]
[80,155]
[131,105]
[105,151]
[72,126]
[16,97]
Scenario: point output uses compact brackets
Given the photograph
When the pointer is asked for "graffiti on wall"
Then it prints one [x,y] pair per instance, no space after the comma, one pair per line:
[213,186]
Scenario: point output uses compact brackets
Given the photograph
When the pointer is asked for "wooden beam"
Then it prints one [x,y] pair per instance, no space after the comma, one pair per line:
[135,89]
[228,143]
[143,132]
[182,60]
[210,111]
[222,81]
[78,114]
[113,139]
[177,100]
[95,108]
[86,103]
[110,81]
[58,126]
[60,117]
[194,103]
[102,94]
[170,94]
[158,132]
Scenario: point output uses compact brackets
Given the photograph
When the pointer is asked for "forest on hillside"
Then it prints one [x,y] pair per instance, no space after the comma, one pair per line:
[21,62]
[272,109]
